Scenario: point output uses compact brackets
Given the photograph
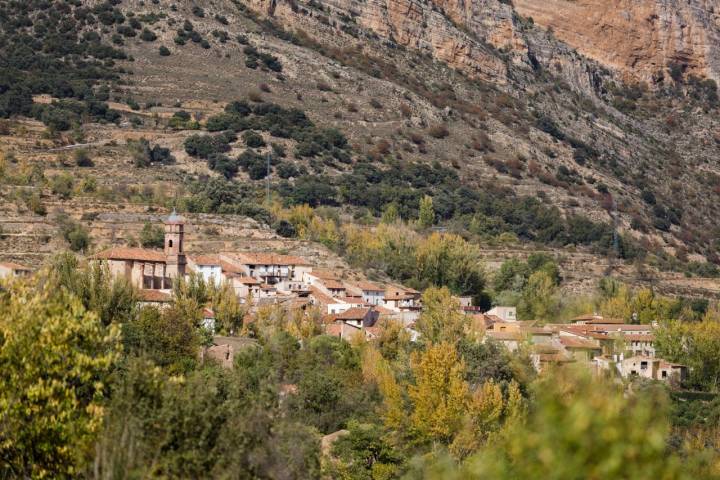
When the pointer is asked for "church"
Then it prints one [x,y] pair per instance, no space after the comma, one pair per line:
[151,269]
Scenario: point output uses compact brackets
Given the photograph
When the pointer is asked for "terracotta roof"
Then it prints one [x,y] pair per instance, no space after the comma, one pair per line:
[157,296]
[230,268]
[127,253]
[354,313]
[597,319]
[14,266]
[384,311]
[369,286]
[325,274]
[336,329]
[332,284]
[251,258]
[396,295]
[246,280]
[570,342]
[626,327]
[639,337]
[536,330]
[665,364]
[375,330]
[206,259]
[322,297]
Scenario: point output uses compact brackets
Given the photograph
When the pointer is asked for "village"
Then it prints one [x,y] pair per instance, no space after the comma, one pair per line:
[360,308]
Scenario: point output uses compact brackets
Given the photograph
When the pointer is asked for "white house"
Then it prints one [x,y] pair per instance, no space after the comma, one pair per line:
[506,314]
[209,267]
[9,269]
[372,294]
[271,268]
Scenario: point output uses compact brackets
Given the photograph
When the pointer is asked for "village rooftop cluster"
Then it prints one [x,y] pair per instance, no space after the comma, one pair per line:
[353,308]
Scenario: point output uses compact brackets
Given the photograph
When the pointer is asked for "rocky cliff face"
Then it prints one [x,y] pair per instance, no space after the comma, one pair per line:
[638,39]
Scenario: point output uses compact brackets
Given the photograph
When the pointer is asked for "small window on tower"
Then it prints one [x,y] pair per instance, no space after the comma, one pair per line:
[170,243]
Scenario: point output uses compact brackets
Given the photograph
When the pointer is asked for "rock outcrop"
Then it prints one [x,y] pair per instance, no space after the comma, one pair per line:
[640,40]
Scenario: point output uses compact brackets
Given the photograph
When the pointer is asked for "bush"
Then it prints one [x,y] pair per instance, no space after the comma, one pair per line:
[62,185]
[73,233]
[438,131]
[203,146]
[287,170]
[148,35]
[152,236]
[82,158]
[198,11]
[164,51]
[254,164]
[253,140]
[144,156]
[223,165]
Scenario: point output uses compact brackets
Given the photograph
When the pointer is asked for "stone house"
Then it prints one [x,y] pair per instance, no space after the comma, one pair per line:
[150,269]
[10,269]
[271,268]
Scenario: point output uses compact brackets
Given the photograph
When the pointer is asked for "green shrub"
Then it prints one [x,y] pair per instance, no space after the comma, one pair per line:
[82,158]
[164,51]
[152,236]
[148,35]
[253,140]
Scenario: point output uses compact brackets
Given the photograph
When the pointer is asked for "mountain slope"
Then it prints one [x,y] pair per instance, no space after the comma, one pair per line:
[512,122]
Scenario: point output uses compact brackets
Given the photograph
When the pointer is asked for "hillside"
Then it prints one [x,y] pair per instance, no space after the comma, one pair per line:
[487,110]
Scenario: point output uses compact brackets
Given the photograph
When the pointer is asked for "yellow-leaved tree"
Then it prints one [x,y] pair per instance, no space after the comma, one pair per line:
[375,368]
[441,319]
[54,358]
[440,393]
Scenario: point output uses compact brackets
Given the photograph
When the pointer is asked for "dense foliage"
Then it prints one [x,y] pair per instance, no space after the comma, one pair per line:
[96,385]
[54,48]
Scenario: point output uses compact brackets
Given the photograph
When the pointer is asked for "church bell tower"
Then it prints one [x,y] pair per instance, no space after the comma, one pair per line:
[174,245]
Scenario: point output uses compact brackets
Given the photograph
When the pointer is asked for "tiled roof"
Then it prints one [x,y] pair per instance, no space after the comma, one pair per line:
[230,268]
[321,297]
[369,286]
[155,296]
[325,274]
[251,258]
[639,337]
[332,284]
[246,280]
[333,329]
[205,259]
[621,327]
[354,313]
[571,342]
[128,253]
[399,295]
[14,266]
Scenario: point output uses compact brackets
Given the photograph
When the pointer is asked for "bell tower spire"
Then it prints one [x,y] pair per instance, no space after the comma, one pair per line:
[174,245]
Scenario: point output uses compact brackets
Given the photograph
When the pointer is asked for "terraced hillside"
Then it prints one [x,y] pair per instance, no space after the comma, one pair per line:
[516,136]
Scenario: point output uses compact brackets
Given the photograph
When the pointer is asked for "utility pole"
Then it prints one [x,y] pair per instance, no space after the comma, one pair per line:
[267,180]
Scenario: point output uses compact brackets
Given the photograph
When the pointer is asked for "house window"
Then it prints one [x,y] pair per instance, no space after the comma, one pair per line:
[664,374]
[643,365]
[170,243]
